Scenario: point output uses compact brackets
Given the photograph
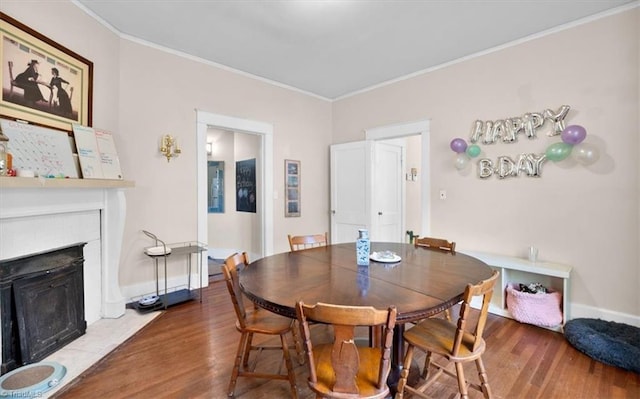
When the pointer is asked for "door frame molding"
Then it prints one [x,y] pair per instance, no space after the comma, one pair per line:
[422,128]
[205,120]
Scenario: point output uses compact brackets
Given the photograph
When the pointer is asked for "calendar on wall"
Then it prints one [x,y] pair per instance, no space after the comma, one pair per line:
[46,152]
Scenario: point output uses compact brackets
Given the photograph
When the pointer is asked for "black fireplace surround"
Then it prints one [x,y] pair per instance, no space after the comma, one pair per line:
[42,304]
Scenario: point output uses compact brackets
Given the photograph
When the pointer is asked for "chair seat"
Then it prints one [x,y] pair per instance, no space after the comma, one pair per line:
[366,378]
[436,336]
[263,322]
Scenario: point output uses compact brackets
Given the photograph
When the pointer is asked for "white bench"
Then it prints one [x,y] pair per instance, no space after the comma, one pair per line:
[554,276]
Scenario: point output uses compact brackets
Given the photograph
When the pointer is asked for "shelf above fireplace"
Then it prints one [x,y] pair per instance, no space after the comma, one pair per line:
[36,182]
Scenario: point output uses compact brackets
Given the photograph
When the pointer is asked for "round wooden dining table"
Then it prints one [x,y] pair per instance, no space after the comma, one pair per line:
[423,283]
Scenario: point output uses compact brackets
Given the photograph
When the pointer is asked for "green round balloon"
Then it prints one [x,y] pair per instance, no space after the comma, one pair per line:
[473,151]
[558,151]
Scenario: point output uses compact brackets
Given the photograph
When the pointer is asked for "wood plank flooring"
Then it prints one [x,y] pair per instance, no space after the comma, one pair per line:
[188,353]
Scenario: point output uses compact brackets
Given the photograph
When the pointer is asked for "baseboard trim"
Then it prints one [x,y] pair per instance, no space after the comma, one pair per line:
[579,311]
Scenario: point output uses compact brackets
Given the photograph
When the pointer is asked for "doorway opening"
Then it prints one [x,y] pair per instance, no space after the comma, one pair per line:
[415,132]
[262,133]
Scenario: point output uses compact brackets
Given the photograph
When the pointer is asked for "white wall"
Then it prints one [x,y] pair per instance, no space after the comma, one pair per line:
[585,217]
[141,93]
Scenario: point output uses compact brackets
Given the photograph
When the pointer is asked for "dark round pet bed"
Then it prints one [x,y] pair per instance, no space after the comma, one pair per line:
[609,342]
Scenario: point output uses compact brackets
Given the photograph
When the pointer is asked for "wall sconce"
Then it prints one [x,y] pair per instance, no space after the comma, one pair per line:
[169,147]
[209,147]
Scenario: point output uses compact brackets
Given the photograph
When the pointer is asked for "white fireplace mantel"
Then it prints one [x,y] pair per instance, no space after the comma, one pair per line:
[38,215]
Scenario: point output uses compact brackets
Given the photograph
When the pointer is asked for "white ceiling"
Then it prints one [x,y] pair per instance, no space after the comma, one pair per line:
[335,48]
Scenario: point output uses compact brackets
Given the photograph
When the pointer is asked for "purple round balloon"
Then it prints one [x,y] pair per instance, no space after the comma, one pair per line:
[573,134]
[458,145]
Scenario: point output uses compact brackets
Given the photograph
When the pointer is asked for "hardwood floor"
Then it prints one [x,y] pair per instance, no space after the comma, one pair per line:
[188,352]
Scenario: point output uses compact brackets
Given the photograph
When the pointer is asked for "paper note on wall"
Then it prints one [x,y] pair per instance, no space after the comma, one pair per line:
[46,152]
[97,153]
[88,153]
[108,155]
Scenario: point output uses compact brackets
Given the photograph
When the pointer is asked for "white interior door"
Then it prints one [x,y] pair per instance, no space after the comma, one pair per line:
[387,192]
[366,191]
[349,188]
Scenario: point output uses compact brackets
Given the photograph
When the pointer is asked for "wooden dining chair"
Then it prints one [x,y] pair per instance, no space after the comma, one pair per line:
[341,369]
[435,243]
[439,244]
[298,243]
[455,343]
[256,322]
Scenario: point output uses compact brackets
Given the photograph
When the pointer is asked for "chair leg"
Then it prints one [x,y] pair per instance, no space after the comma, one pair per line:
[247,350]
[484,379]
[404,374]
[236,365]
[427,364]
[297,342]
[462,383]
[289,364]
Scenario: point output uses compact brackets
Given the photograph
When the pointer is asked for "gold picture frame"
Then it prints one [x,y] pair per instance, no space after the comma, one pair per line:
[292,201]
[43,82]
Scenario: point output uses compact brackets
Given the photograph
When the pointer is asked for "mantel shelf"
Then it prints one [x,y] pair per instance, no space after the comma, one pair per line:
[35,182]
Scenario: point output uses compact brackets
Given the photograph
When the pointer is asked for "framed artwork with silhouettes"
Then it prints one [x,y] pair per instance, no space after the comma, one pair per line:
[43,82]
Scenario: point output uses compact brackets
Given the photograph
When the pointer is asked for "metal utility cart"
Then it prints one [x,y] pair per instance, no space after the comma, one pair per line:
[162,251]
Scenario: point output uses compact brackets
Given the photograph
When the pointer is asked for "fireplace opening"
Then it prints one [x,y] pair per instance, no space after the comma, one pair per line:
[41,304]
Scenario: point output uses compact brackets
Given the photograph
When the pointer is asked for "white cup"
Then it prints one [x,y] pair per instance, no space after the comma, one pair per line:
[533,254]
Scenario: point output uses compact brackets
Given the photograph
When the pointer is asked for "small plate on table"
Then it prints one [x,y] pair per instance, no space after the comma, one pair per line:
[385,257]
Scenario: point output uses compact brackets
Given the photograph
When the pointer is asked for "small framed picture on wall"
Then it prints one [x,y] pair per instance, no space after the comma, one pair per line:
[215,186]
[292,188]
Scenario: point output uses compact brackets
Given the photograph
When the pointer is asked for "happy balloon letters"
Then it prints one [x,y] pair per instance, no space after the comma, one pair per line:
[507,130]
